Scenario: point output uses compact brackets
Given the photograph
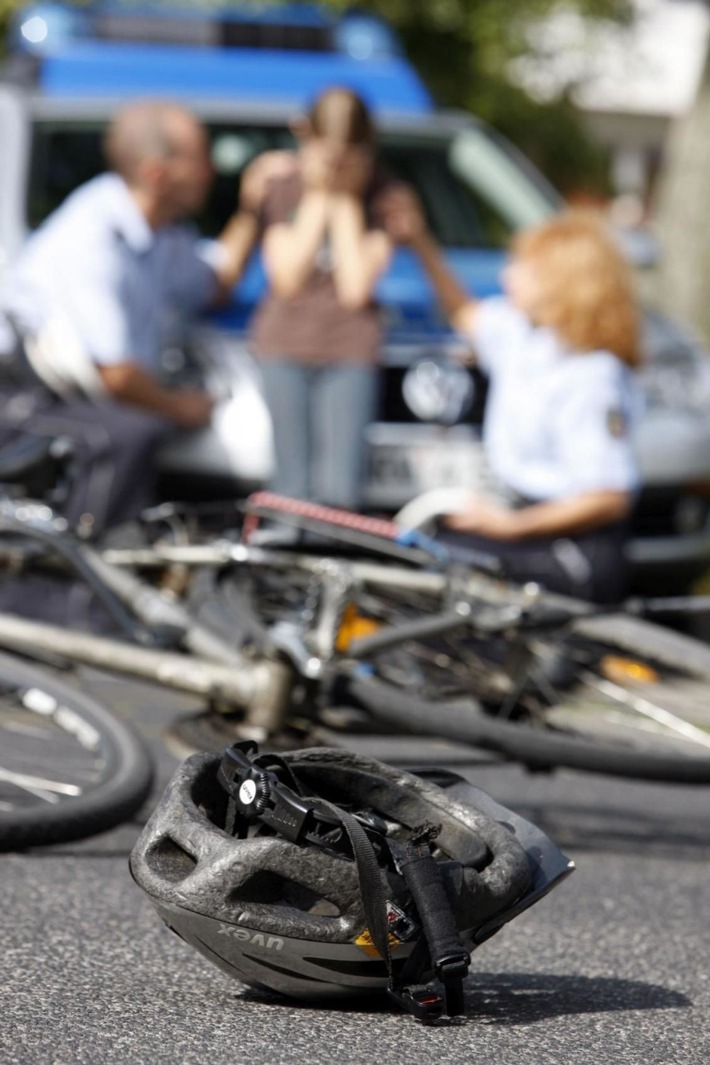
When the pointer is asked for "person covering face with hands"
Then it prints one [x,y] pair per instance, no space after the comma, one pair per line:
[317,333]
[558,348]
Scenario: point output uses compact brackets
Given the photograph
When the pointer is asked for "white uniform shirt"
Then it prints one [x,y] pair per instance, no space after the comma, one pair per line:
[557,422]
[125,288]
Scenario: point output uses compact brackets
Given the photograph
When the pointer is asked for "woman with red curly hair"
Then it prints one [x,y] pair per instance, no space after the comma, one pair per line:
[558,348]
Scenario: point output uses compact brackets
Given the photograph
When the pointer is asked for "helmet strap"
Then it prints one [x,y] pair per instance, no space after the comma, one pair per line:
[447,955]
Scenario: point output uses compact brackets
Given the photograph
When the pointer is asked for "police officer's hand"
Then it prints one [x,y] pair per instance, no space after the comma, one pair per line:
[265,168]
[484,517]
[192,410]
[403,215]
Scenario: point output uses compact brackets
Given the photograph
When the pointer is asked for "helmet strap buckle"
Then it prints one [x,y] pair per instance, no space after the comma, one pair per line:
[424,1003]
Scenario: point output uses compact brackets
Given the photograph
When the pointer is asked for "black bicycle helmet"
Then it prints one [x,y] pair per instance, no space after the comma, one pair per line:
[322,874]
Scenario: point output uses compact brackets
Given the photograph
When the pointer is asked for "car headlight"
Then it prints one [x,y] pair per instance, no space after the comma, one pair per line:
[438,391]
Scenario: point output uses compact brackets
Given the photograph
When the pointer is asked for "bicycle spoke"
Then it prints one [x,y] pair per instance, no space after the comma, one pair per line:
[42,762]
[40,786]
[662,716]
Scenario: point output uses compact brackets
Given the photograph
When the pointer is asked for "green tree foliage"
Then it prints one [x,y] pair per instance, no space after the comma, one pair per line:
[6,9]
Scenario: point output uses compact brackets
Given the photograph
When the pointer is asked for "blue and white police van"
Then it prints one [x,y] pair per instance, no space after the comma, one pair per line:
[246,70]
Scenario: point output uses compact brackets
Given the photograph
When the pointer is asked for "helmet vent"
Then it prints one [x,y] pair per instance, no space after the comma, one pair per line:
[273,890]
[170,860]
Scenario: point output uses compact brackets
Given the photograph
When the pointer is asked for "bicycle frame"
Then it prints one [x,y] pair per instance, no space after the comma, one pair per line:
[213,667]
[261,686]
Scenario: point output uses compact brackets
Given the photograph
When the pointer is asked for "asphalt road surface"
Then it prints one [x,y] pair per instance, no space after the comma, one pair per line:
[613,966]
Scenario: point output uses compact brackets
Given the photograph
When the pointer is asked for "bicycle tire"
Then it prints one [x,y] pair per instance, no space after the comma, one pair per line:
[79,727]
[464,721]
[647,638]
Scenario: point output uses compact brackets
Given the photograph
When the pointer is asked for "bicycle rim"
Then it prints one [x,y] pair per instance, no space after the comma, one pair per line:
[68,767]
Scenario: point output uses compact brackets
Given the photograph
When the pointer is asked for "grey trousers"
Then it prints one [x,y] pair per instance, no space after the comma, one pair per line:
[319,417]
[114,463]
[113,479]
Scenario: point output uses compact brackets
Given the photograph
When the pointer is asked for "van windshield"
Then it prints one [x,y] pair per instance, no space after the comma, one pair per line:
[475,194]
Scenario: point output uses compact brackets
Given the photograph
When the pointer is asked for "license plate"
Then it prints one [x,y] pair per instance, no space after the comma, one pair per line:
[404,461]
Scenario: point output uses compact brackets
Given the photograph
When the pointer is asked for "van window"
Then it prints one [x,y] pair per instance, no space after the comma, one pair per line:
[474,194]
[504,180]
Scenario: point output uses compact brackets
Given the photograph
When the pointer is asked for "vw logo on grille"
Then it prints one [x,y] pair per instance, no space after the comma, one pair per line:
[438,391]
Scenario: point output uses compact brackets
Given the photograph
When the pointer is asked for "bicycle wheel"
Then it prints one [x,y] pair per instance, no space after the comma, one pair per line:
[584,700]
[68,767]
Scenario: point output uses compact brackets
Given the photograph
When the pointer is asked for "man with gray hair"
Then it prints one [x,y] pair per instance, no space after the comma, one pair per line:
[104,286]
